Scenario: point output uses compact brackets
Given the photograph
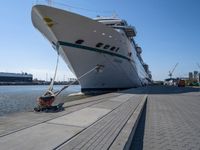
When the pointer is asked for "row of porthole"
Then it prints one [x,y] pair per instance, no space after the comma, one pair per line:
[113,48]
[99,45]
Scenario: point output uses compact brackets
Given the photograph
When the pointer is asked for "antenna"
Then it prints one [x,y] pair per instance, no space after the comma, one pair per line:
[49,2]
[114,14]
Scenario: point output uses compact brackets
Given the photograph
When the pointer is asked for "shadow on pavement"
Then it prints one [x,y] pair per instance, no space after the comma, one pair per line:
[137,142]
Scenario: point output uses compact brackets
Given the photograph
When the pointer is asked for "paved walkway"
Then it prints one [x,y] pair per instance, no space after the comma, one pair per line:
[171,120]
[94,123]
[18,121]
[103,133]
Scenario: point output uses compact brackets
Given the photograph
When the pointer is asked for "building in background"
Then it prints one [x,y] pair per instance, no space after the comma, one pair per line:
[15,77]
[190,76]
[199,77]
[193,79]
[196,75]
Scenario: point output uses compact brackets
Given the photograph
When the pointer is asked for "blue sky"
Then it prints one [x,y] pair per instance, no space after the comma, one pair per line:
[168,32]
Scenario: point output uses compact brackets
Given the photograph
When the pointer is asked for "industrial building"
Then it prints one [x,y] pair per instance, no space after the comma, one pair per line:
[15,77]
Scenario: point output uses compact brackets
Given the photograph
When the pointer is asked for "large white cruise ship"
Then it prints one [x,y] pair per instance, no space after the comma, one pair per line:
[84,43]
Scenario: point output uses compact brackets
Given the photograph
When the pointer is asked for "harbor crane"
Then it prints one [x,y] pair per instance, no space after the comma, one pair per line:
[172,71]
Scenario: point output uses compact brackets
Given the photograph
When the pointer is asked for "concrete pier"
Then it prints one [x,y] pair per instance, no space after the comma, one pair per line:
[141,118]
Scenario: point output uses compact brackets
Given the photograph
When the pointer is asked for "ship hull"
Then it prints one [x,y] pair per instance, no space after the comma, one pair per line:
[63,29]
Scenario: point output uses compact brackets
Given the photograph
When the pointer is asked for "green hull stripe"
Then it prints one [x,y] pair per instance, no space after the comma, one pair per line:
[91,49]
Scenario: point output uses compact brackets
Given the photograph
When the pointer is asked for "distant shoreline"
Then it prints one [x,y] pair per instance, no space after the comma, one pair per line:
[35,83]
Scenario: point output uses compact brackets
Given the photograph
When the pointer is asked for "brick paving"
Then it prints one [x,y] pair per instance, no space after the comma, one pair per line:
[170,122]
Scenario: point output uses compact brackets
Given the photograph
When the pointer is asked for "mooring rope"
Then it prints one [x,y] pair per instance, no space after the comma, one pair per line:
[55,73]
[97,67]
[50,92]
[45,102]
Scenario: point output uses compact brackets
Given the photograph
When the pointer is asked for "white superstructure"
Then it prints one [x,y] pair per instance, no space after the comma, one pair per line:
[84,43]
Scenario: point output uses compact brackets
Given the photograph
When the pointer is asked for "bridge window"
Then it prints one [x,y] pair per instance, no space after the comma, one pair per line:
[79,41]
[99,44]
[117,49]
[106,46]
[112,48]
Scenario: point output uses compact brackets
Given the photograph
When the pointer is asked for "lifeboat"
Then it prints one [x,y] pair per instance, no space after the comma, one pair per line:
[129,30]
[139,50]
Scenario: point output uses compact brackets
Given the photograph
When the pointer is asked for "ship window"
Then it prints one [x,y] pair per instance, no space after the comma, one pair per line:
[117,49]
[106,46]
[110,24]
[112,48]
[79,41]
[99,44]
[122,24]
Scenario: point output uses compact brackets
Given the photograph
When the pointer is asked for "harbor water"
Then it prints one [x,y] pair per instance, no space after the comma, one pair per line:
[23,98]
